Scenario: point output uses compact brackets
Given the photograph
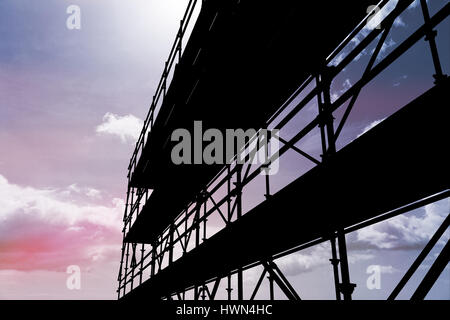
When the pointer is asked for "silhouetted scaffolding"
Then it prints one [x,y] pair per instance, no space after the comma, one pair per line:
[369,180]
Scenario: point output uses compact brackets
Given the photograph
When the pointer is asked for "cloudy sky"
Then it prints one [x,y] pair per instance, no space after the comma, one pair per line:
[71,107]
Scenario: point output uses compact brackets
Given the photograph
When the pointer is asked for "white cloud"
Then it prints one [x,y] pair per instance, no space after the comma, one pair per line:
[73,188]
[371,126]
[52,205]
[46,228]
[305,261]
[399,80]
[386,45]
[406,231]
[347,84]
[86,191]
[354,257]
[127,128]
[399,22]
[415,4]
[388,269]
[317,256]
[93,193]
[334,96]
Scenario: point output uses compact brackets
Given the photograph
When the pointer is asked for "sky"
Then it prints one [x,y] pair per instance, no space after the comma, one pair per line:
[72,103]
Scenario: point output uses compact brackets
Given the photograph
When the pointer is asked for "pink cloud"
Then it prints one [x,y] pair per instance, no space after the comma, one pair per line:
[44,229]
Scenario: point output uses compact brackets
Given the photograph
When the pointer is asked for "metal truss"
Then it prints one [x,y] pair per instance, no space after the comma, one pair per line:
[190,229]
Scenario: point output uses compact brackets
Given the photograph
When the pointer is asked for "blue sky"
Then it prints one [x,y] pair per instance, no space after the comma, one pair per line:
[71,106]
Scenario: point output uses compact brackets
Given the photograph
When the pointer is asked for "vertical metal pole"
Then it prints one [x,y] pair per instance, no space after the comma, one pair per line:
[130,218]
[323,137]
[239,191]
[334,259]
[267,164]
[204,292]
[160,255]
[164,86]
[121,269]
[125,216]
[153,263]
[142,263]
[228,193]
[240,285]
[197,238]
[335,262]
[186,238]
[180,43]
[126,270]
[272,295]
[239,214]
[346,287]
[267,195]
[172,230]
[133,265]
[197,225]
[128,244]
[229,288]
[431,38]
[328,115]
[205,220]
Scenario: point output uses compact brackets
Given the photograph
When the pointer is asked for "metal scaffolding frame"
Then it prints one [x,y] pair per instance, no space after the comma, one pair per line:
[189,230]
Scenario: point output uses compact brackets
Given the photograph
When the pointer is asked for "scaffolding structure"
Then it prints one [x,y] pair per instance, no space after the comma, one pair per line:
[168,250]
